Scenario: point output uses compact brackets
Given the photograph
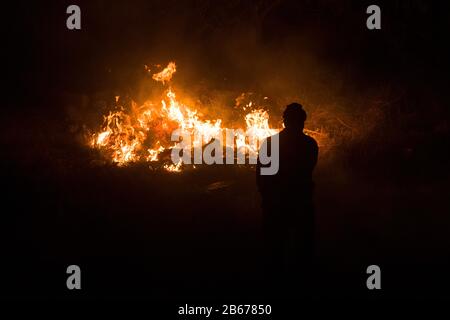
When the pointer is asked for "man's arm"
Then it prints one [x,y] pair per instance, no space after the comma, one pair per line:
[314,154]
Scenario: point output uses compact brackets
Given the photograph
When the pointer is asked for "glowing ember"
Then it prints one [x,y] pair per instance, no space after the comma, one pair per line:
[173,167]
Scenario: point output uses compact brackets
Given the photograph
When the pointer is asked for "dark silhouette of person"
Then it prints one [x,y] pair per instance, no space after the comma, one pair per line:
[288,211]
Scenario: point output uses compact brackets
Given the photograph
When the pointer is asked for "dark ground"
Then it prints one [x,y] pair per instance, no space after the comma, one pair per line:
[138,233]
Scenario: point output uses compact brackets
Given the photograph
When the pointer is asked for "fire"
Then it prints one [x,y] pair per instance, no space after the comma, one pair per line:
[173,167]
[166,74]
[143,133]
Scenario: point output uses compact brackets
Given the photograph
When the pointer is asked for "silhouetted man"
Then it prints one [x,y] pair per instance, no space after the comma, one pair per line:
[287,204]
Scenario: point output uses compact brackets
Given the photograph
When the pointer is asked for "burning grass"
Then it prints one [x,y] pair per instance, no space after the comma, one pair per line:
[142,133]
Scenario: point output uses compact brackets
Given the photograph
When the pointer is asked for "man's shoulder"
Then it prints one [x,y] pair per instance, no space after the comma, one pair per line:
[310,141]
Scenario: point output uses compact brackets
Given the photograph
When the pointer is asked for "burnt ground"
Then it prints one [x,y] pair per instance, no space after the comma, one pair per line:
[142,233]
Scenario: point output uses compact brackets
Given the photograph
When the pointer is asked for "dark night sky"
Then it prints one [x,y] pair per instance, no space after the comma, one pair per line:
[233,39]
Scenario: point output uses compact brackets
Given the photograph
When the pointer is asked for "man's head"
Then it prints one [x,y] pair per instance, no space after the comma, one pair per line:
[294,116]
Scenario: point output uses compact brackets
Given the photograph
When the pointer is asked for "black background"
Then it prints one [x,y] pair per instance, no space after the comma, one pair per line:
[136,234]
